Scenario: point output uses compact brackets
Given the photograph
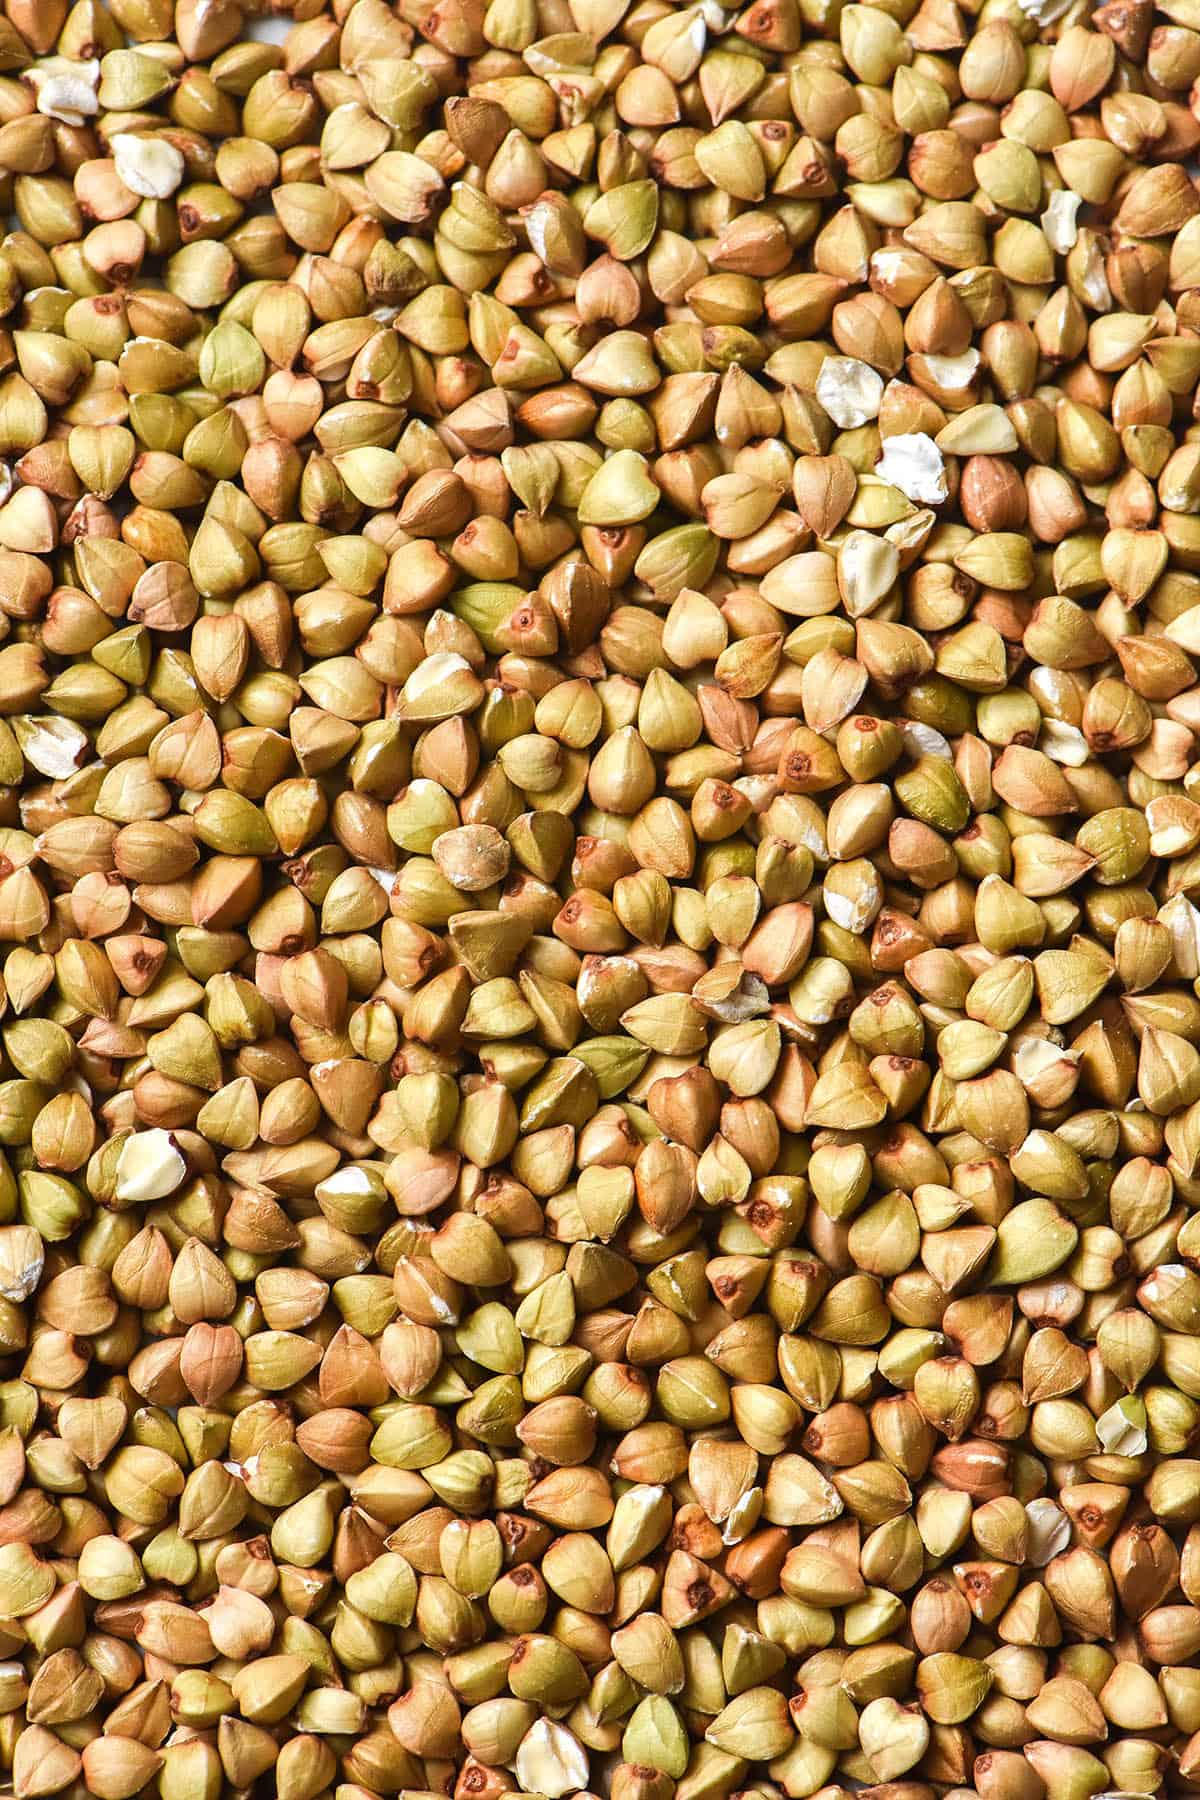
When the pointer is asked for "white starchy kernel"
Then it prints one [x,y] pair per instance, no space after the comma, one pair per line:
[150,167]
[842,911]
[1058,220]
[749,1000]
[697,29]
[22,1259]
[850,391]
[744,1515]
[55,747]
[435,669]
[537,230]
[925,740]
[912,462]
[440,1308]
[1049,1532]
[887,264]
[1034,1056]
[551,1760]
[150,1166]
[66,90]
[867,567]
[1064,743]
[1093,279]
[350,1180]
[268,28]
[1122,1429]
[953,372]
[1182,920]
[812,839]
[1175,495]
[1174,825]
[66,99]
[854,914]
[758,789]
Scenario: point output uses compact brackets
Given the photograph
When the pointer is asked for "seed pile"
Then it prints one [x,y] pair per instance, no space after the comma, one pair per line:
[599,731]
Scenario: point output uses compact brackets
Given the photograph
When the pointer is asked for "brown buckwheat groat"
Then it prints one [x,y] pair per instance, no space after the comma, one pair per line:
[600,900]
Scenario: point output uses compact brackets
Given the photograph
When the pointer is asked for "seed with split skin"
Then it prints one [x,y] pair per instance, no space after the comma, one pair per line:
[150,1166]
